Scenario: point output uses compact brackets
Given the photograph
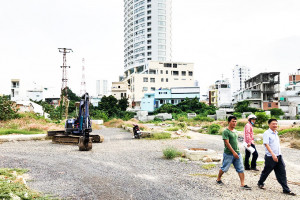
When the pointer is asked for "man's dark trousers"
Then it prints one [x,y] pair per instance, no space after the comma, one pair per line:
[279,169]
[254,158]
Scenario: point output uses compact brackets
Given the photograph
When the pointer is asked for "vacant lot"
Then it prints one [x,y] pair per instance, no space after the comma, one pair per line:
[124,168]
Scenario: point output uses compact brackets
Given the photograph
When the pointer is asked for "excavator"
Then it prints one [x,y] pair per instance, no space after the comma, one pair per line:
[77,131]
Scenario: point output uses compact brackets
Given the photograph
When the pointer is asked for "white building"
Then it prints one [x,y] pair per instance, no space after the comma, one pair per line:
[220,94]
[159,75]
[239,75]
[147,33]
[102,88]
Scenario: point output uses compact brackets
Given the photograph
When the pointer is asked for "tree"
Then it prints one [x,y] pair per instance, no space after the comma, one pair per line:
[261,117]
[276,112]
[243,106]
[109,105]
[7,109]
[123,103]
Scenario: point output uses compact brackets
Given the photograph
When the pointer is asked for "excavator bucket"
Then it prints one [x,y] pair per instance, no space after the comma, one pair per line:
[85,144]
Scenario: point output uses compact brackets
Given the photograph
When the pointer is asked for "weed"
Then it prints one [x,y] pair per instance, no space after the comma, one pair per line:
[258,130]
[175,128]
[208,175]
[260,163]
[259,142]
[171,152]
[208,166]
[11,186]
[160,136]
[188,137]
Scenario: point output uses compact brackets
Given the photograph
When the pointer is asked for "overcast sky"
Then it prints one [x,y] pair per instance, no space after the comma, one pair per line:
[215,35]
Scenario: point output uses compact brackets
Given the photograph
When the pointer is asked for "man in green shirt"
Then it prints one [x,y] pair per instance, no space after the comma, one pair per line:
[232,153]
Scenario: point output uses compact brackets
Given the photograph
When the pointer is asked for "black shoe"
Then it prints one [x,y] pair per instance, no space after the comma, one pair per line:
[290,193]
[255,169]
[246,168]
[219,182]
[246,187]
[261,186]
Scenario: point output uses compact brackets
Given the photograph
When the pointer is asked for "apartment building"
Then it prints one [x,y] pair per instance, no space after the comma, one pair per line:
[239,75]
[220,94]
[120,90]
[159,75]
[147,33]
[261,91]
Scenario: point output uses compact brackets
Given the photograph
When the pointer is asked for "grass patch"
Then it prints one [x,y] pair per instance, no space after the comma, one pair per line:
[208,175]
[11,186]
[18,131]
[259,142]
[208,166]
[176,128]
[171,152]
[159,136]
[260,163]
[258,130]
[294,132]
[188,137]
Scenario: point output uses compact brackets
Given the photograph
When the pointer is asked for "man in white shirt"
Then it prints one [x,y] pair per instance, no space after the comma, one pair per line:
[273,158]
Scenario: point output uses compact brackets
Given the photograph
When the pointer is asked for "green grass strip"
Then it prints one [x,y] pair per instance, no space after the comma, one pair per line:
[18,131]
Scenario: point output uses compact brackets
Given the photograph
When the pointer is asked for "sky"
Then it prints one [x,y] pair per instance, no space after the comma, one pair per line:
[215,35]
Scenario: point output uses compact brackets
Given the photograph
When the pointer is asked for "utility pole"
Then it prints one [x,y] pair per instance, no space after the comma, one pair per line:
[64,87]
[83,83]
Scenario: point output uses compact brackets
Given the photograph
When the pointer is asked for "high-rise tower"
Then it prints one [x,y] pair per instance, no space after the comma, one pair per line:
[147,33]
[239,75]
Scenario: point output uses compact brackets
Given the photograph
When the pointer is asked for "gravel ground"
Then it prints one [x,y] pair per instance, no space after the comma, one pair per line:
[124,168]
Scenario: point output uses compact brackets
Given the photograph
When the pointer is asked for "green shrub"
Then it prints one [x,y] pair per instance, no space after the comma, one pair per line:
[261,118]
[239,123]
[171,152]
[98,114]
[276,112]
[237,114]
[182,126]
[214,129]
[203,119]
[7,109]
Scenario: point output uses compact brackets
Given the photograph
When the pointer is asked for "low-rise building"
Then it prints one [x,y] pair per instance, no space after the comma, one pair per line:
[152,101]
[220,93]
[261,91]
[158,75]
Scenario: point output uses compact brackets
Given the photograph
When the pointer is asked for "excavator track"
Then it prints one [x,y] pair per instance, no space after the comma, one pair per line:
[62,138]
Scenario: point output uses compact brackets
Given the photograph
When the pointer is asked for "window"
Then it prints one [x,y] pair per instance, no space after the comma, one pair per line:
[148,41]
[162,35]
[167,65]
[269,105]
[162,79]
[149,30]
[167,80]
[145,89]
[148,1]
[148,35]
[152,88]
[161,41]
[183,73]
[149,54]
[121,95]
[162,23]
[175,73]
[152,80]
[149,18]
[148,6]
[148,23]
[161,101]
[167,72]
[149,12]
[162,29]
[161,17]
[174,65]
[162,53]
[161,11]
[119,86]
[148,47]
[145,79]
[190,73]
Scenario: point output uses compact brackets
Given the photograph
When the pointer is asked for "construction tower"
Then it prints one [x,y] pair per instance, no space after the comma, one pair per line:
[64,101]
[83,83]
